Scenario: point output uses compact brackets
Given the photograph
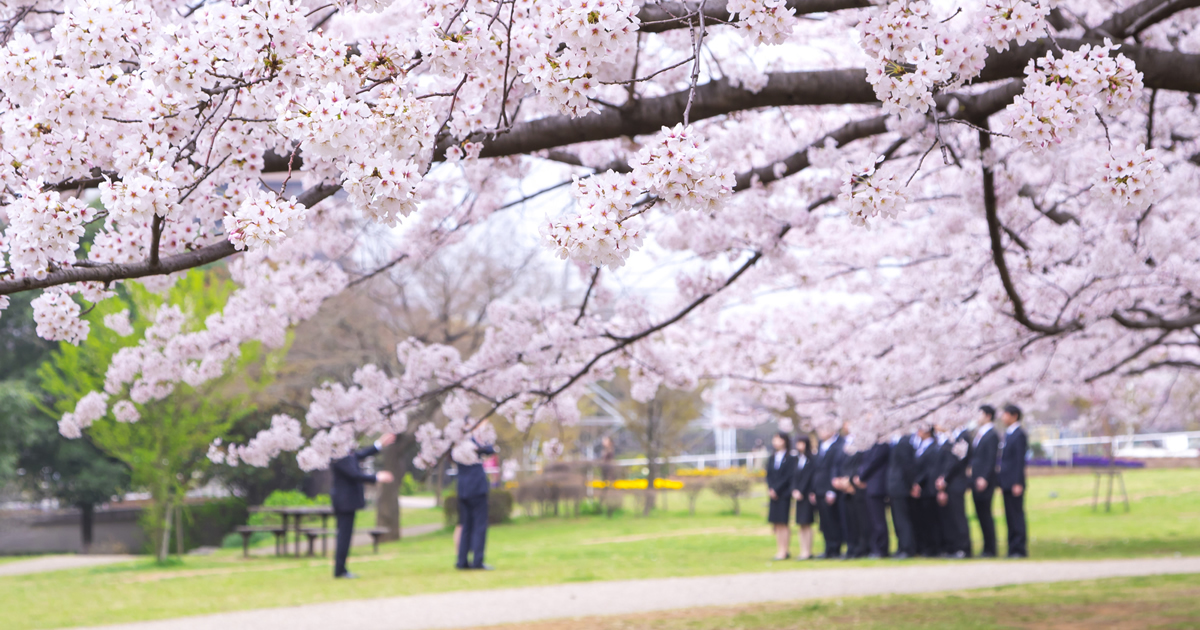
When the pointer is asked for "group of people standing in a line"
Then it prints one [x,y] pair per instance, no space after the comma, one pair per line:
[923,478]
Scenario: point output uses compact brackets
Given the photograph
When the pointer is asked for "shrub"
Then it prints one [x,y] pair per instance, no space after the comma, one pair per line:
[693,488]
[500,505]
[408,485]
[732,487]
[285,498]
[206,524]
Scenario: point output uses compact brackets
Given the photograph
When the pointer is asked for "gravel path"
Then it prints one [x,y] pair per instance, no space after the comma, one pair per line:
[58,563]
[515,605]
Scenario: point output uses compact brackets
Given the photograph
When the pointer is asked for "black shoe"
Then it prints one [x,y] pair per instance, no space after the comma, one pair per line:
[346,576]
[461,567]
[873,556]
[901,556]
[483,567]
[958,555]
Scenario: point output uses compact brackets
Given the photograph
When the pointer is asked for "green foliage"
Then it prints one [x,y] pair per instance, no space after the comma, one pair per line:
[21,350]
[166,450]
[285,498]
[500,507]
[206,524]
[408,485]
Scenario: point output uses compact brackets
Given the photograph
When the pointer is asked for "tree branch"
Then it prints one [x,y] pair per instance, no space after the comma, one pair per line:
[126,271]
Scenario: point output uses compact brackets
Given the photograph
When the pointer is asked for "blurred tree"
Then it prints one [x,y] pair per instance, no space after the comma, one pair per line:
[657,425]
[166,449]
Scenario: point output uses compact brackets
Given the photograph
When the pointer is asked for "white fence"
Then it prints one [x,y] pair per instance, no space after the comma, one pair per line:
[1132,445]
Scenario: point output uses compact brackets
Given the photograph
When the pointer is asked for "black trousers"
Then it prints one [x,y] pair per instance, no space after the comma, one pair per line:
[345,531]
[877,517]
[987,524]
[851,524]
[1014,517]
[902,522]
[956,535]
[927,526]
[473,512]
[832,528]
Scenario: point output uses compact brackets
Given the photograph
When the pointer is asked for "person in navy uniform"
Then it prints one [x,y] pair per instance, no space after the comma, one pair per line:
[1012,480]
[924,494]
[348,496]
[805,496]
[901,472]
[781,465]
[872,480]
[828,468]
[473,486]
[985,446]
[952,487]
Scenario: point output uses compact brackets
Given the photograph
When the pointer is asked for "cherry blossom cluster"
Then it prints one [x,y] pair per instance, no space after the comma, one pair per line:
[102,32]
[763,21]
[44,231]
[1131,178]
[675,168]
[263,219]
[591,31]
[914,53]
[868,194]
[1016,21]
[282,436]
[119,323]
[602,234]
[89,409]
[1062,93]
[57,316]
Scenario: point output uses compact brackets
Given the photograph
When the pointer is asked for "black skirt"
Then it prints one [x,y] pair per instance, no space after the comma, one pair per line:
[805,512]
[777,511]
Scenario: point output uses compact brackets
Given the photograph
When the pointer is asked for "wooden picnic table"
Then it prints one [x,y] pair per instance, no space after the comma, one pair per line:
[297,514]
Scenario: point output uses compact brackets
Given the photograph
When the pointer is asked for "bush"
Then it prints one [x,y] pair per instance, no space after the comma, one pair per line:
[692,489]
[285,498]
[408,485]
[500,505]
[206,524]
[732,487]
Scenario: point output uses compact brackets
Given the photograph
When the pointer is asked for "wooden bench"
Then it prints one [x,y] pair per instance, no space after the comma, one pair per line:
[313,533]
[377,533]
[249,530]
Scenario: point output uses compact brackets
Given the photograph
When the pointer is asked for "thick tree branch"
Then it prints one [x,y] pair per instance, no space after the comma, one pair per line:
[125,271]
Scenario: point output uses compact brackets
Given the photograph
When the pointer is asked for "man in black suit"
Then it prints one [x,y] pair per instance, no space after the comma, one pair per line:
[872,480]
[852,499]
[1012,480]
[924,494]
[473,486]
[828,468]
[901,472]
[952,489]
[348,497]
[984,451]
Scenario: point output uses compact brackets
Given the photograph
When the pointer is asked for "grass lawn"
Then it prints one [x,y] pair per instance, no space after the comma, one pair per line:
[1165,521]
[1144,602]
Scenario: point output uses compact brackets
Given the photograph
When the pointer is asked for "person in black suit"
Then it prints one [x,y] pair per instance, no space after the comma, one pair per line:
[348,496]
[952,488]
[473,487]
[901,472]
[781,465]
[805,496]
[1012,480]
[872,480]
[828,468]
[985,446]
[924,496]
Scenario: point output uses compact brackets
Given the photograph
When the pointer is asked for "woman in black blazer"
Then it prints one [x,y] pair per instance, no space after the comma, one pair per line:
[780,468]
[802,491]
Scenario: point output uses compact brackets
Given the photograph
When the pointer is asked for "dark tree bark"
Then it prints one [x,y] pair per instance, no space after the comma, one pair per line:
[87,520]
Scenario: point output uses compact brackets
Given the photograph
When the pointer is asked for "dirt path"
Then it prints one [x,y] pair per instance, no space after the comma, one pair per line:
[58,563]
[515,605]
